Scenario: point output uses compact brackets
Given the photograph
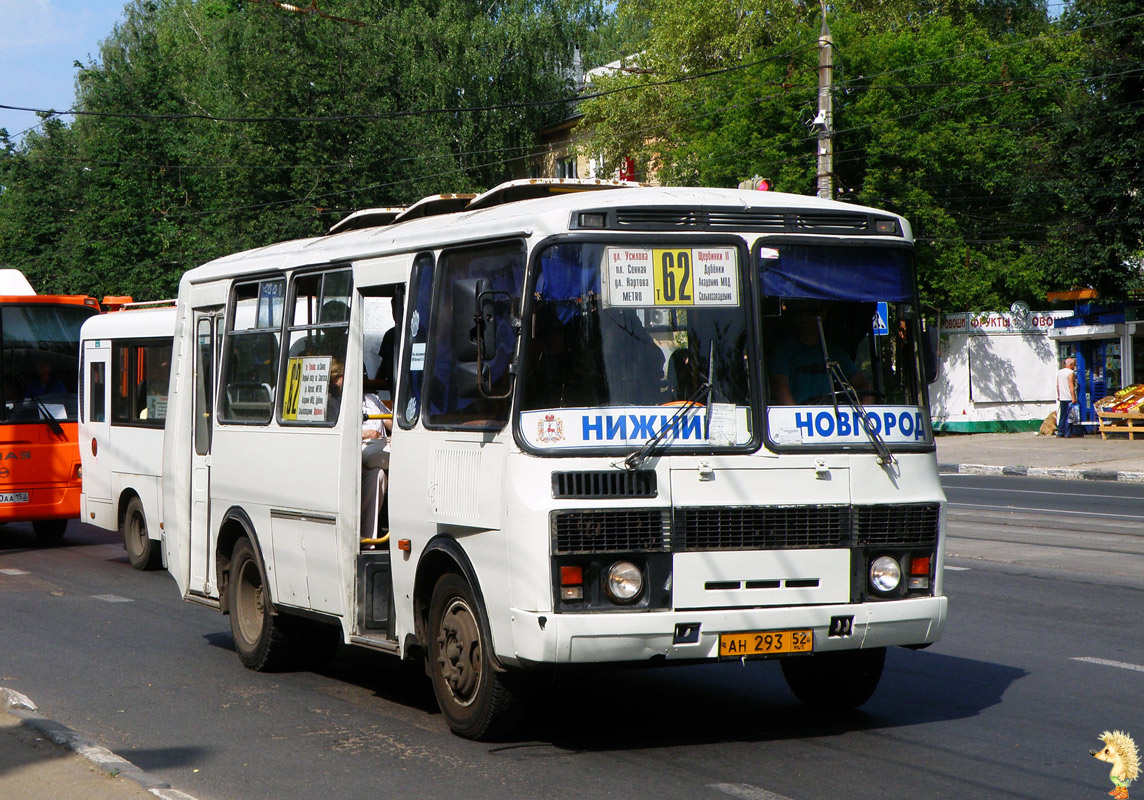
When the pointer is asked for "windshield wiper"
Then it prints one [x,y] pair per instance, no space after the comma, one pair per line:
[57,429]
[636,459]
[838,379]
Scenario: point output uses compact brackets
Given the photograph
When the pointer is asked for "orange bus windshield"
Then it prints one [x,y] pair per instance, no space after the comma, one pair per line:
[39,360]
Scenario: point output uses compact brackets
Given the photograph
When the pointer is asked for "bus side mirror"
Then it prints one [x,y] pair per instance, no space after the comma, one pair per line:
[475,332]
[929,352]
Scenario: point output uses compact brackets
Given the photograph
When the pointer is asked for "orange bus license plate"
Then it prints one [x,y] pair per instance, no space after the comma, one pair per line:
[764,643]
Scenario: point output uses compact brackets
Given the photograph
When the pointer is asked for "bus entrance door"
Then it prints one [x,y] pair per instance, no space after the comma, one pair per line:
[206,356]
[96,502]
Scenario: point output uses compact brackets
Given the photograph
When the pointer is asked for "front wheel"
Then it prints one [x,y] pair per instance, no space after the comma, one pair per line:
[477,701]
[49,531]
[835,681]
[262,639]
[142,551]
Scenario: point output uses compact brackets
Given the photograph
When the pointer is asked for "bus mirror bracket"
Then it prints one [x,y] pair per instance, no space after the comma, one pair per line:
[476,346]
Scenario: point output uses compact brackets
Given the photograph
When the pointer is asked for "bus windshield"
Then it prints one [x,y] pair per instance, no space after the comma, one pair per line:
[39,354]
[850,305]
[624,335]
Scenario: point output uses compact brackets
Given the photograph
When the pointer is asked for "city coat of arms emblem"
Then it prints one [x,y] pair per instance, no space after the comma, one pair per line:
[550,429]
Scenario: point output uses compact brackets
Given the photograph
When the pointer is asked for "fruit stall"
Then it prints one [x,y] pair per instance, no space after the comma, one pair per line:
[1122,412]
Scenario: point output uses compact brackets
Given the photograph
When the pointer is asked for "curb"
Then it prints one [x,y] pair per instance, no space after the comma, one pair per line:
[19,706]
[1059,473]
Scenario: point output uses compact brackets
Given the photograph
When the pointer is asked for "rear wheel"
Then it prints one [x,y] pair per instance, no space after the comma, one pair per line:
[263,640]
[142,551]
[835,681]
[49,530]
[477,701]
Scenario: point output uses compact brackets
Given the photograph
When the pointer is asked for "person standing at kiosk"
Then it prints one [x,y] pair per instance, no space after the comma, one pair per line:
[1066,395]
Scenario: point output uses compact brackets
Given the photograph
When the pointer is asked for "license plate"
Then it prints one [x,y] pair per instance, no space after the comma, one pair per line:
[13,497]
[765,643]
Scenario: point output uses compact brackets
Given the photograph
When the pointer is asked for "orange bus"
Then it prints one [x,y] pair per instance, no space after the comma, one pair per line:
[39,391]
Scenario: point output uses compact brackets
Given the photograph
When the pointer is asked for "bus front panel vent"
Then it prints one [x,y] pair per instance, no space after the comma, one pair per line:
[604,484]
[835,221]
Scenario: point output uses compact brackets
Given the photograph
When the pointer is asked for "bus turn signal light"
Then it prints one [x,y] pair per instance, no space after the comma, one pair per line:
[571,583]
[920,565]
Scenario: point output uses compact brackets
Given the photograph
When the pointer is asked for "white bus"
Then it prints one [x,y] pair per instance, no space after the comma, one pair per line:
[124,371]
[645,425]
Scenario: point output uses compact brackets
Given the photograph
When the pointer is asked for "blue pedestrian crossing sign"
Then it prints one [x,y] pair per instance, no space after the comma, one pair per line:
[882,319]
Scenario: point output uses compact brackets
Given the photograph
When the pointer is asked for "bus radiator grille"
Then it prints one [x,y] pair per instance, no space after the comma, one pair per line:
[913,525]
[612,531]
[762,528]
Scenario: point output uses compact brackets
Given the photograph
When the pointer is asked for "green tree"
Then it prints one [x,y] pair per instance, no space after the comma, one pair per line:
[1096,157]
[216,125]
[944,111]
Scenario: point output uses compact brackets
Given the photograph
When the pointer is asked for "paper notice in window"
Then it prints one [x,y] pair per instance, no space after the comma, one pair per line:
[721,428]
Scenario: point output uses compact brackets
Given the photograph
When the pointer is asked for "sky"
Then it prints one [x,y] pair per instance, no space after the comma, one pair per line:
[40,40]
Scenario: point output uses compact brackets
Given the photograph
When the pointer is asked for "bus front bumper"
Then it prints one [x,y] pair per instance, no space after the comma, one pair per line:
[46,502]
[584,638]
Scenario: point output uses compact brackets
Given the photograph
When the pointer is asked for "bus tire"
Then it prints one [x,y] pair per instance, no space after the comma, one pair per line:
[476,700]
[49,531]
[142,551]
[262,640]
[835,681]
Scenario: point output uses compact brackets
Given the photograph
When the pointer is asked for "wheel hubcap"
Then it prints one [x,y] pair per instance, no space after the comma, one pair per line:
[459,651]
[250,610]
[137,534]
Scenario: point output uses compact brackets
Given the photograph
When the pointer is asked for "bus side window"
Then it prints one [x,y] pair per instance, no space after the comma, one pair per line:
[501,266]
[251,352]
[142,373]
[96,380]
[317,334]
[415,324]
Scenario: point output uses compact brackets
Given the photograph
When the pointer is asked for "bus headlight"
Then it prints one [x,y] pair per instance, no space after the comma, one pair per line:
[885,574]
[623,581]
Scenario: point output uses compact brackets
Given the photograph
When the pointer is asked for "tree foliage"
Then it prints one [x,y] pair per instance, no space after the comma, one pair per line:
[323,116]
[979,120]
[1010,139]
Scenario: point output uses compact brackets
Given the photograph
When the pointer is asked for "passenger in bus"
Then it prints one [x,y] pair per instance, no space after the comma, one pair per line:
[43,381]
[389,348]
[374,461]
[633,363]
[683,376]
[798,371]
[334,390]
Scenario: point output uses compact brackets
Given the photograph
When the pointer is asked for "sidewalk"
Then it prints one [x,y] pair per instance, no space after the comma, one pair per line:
[1086,458]
[42,760]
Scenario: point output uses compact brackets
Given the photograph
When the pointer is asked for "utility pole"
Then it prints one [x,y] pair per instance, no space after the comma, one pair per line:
[824,121]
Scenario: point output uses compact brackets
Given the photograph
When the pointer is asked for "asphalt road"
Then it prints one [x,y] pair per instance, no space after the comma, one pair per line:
[1044,650]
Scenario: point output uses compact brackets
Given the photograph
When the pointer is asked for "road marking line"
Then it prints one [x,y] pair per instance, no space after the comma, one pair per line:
[112,598]
[1106,663]
[1054,494]
[14,572]
[1087,514]
[957,569]
[746,791]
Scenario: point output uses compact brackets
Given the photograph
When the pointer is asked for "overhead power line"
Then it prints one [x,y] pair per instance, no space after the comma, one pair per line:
[408,112]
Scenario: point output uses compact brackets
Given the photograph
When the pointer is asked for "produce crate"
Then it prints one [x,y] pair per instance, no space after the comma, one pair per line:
[1129,422]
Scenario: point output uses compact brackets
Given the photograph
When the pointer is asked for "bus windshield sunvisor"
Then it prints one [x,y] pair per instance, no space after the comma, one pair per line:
[827,273]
